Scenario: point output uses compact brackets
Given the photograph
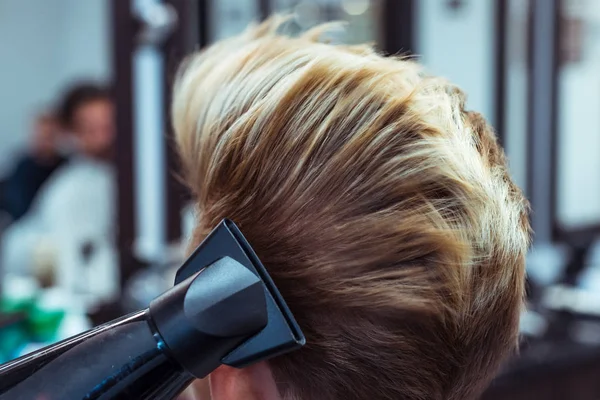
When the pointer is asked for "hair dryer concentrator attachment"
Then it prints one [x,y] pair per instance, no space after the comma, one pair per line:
[282,334]
[224,309]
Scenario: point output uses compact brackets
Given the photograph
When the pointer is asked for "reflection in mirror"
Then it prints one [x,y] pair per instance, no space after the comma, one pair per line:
[57,180]
[516,113]
[578,142]
[458,44]
[233,16]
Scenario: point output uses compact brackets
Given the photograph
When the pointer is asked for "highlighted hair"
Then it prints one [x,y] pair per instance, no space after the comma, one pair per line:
[380,206]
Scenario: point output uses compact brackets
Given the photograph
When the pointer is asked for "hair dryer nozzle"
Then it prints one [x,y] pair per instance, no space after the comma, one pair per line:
[281,333]
[217,309]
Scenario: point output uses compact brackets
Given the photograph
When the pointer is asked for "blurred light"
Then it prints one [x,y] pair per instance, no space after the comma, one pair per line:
[307,14]
[355,7]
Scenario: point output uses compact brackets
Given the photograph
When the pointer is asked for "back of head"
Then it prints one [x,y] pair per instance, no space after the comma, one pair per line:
[77,96]
[382,209]
[86,110]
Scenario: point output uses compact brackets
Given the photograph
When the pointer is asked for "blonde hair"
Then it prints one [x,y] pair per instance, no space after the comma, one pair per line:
[382,209]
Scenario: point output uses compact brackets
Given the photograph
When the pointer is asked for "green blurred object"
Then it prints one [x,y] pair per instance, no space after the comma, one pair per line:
[43,324]
[9,305]
[13,334]
[23,321]
[13,330]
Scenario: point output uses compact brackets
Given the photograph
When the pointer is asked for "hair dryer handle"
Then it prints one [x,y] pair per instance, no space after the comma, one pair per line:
[121,358]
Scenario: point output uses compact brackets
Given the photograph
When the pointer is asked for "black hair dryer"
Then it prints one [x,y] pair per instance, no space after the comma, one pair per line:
[223,309]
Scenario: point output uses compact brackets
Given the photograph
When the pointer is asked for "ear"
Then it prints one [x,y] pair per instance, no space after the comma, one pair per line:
[252,383]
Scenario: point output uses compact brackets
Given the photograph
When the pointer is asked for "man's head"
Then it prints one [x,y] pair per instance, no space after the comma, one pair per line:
[87,112]
[382,209]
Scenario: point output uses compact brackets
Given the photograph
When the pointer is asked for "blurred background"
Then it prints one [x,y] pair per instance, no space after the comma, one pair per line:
[93,220]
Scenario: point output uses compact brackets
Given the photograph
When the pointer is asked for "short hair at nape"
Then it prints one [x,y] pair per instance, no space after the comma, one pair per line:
[380,206]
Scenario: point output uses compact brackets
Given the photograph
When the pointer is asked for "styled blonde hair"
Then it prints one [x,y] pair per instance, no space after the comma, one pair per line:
[382,209]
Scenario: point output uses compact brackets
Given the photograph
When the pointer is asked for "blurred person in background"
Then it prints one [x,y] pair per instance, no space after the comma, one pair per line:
[69,231]
[87,112]
[34,168]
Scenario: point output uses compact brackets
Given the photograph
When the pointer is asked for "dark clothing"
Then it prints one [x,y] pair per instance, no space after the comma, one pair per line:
[23,184]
